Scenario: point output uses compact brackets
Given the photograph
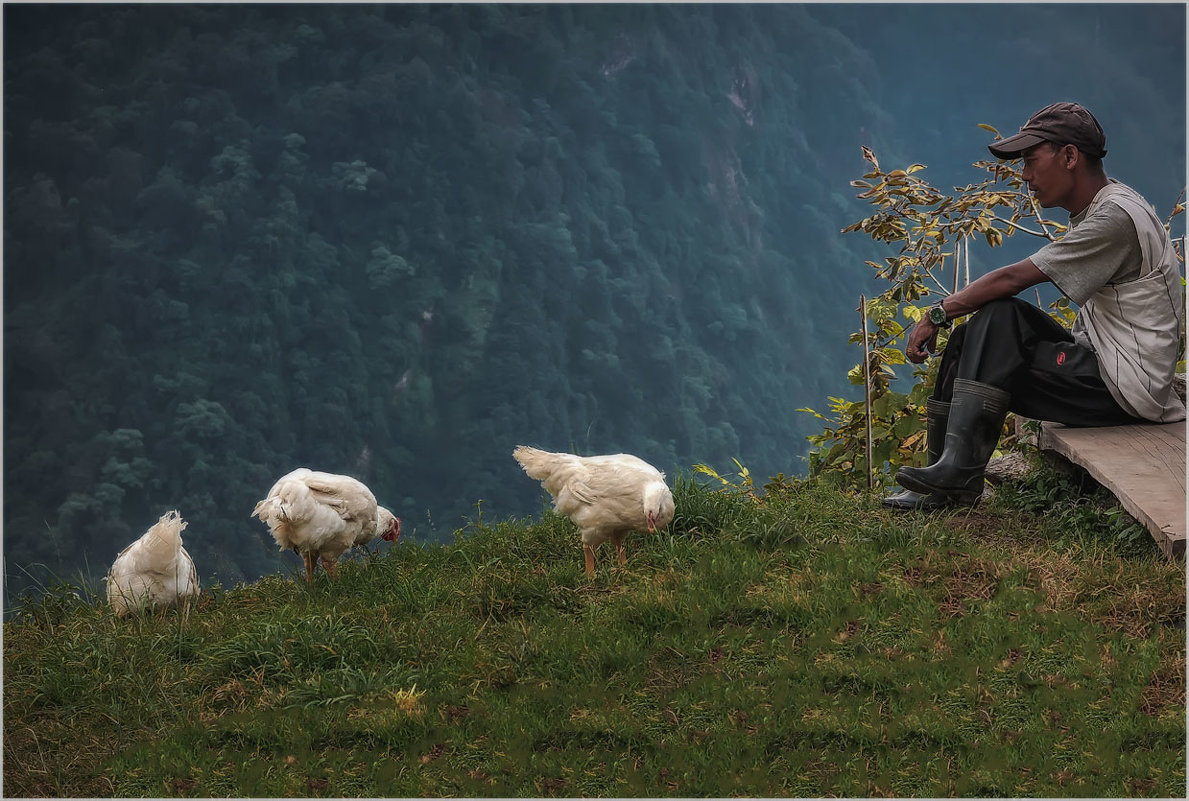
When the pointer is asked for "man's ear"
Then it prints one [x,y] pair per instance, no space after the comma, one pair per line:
[1070,156]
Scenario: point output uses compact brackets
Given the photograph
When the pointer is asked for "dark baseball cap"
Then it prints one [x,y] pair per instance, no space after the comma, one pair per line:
[1061,123]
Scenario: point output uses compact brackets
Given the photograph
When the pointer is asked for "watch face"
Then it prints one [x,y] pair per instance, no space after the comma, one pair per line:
[936,315]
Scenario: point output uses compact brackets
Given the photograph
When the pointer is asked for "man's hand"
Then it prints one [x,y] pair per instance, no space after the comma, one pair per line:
[922,341]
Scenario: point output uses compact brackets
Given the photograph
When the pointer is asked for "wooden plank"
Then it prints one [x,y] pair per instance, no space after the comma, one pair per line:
[1143,465]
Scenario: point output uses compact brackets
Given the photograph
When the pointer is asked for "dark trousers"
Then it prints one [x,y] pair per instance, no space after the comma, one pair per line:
[1018,348]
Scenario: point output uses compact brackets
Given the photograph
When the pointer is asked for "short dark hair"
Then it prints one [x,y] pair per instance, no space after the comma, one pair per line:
[1093,163]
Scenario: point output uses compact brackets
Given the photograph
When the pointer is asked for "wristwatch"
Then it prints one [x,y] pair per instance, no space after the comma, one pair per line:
[937,315]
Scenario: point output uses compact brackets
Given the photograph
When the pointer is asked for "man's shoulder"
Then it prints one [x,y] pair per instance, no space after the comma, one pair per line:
[1114,212]
[1119,195]
[1109,217]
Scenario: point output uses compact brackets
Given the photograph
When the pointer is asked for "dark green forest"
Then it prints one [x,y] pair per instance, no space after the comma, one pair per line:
[397,240]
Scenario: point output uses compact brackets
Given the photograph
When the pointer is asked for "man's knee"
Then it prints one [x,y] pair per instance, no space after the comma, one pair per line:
[1002,314]
[1018,318]
[1000,307]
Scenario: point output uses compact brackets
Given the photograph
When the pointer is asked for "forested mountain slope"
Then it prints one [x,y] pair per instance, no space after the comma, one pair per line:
[395,241]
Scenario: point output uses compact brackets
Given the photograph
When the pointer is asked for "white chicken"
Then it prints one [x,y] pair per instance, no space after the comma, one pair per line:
[321,515]
[605,496]
[154,571]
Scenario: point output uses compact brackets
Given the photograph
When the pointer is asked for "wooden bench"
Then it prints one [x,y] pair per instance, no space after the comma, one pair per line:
[1142,465]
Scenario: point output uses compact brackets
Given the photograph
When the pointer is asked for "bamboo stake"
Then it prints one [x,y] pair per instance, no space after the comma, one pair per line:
[966,259]
[867,386]
[957,264]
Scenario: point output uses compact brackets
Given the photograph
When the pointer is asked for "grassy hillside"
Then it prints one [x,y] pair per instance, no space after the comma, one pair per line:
[800,643]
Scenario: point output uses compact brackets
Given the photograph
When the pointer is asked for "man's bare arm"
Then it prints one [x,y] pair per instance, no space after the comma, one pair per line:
[1004,282]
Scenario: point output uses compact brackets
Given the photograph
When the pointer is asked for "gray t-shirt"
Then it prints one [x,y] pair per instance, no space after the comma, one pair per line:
[1117,263]
[1101,247]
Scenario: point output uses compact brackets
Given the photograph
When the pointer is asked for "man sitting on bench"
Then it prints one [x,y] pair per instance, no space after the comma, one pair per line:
[1114,367]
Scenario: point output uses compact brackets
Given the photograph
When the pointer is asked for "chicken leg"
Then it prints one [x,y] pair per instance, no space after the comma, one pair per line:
[331,566]
[621,554]
[308,559]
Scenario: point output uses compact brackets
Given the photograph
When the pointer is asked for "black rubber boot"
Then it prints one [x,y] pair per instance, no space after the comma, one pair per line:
[976,420]
[937,415]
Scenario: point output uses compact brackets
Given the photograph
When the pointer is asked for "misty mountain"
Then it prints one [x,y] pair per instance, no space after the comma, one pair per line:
[396,240]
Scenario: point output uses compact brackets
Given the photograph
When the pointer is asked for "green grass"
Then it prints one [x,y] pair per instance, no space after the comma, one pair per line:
[811,644]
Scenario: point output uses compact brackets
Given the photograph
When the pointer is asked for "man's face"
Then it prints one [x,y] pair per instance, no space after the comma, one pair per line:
[1045,172]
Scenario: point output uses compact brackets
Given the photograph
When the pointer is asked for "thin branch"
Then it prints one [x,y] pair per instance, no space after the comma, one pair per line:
[1039,217]
[941,289]
[1168,220]
[1018,227]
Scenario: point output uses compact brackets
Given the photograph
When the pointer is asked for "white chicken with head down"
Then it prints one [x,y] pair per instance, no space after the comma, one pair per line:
[605,496]
[154,571]
[321,515]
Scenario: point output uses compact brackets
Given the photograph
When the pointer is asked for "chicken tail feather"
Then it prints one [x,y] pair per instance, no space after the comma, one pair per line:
[164,539]
[537,463]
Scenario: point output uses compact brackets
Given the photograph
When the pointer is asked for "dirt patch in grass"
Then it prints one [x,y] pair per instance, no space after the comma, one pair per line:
[1166,689]
[434,753]
[966,585]
[983,524]
[553,786]
[668,670]
[46,776]
[183,786]
[914,576]
[1140,787]
[1120,596]
[1116,592]
[453,713]
[960,579]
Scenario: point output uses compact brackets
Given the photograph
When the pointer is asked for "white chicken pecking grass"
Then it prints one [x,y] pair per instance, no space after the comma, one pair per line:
[321,515]
[605,496]
[155,571]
